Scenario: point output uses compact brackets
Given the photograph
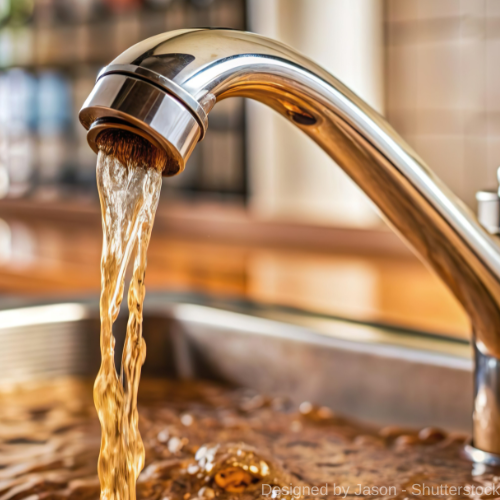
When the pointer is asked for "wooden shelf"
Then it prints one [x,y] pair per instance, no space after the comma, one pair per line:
[226,222]
[53,250]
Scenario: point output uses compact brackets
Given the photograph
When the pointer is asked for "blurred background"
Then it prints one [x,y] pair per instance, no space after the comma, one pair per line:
[260,211]
[50,54]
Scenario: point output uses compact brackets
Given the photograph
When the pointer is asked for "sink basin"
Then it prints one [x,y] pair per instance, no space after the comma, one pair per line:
[371,372]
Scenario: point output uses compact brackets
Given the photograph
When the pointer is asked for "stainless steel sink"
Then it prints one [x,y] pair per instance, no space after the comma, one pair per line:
[372,372]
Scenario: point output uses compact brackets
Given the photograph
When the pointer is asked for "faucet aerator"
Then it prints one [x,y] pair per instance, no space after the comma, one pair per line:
[123,102]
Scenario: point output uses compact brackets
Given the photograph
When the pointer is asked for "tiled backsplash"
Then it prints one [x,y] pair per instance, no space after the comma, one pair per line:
[443,86]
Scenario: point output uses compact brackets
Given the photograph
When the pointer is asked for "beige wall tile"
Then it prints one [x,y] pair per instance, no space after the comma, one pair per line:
[492,27]
[403,121]
[401,78]
[403,33]
[473,7]
[431,9]
[412,141]
[476,123]
[492,72]
[492,160]
[445,156]
[439,122]
[493,123]
[492,8]
[397,10]
[477,173]
[446,29]
[438,75]
[472,74]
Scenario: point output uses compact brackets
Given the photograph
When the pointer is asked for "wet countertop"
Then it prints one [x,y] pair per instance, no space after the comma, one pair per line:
[53,250]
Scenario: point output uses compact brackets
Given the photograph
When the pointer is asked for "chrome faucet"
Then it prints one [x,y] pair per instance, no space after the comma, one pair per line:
[164,87]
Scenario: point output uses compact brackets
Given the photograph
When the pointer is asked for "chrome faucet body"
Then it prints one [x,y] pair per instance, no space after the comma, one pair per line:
[164,87]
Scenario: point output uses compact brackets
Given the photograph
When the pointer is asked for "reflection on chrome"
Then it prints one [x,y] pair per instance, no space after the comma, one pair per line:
[163,89]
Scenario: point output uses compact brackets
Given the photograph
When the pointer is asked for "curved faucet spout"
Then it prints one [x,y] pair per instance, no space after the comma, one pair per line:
[164,88]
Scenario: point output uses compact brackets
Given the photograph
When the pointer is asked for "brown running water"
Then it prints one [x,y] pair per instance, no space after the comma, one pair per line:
[129,191]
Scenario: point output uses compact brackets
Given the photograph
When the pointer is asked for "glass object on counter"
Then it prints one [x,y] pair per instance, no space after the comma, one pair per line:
[54,121]
[18,130]
[35,130]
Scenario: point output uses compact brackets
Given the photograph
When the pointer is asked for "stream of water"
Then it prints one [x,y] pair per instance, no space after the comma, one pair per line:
[129,192]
